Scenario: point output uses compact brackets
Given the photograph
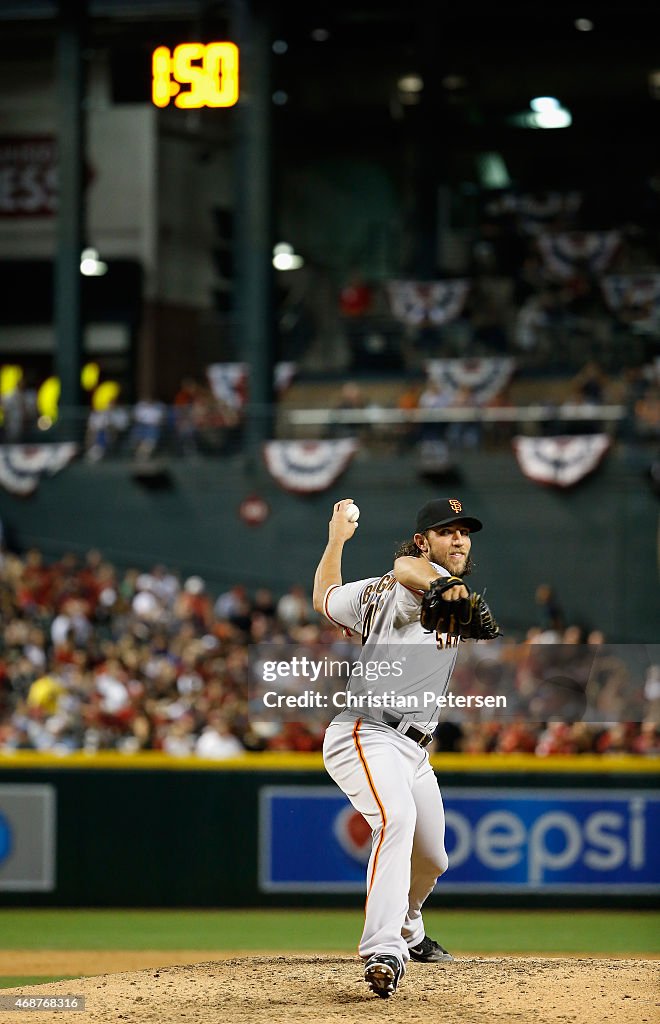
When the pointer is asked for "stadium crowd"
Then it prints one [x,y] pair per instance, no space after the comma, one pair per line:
[97,658]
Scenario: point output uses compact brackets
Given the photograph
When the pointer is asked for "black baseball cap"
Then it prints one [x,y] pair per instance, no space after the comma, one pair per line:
[444,512]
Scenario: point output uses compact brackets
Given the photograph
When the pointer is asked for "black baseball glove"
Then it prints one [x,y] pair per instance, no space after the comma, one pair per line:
[470,617]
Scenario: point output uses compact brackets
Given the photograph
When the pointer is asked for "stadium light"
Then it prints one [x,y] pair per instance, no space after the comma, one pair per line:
[284,257]
[541,104]
[91,265]
[545,112]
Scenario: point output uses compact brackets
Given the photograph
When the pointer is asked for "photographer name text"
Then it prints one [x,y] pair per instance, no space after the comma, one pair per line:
[362,701]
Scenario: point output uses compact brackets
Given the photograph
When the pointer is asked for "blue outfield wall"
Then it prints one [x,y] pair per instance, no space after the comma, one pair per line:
[148,831]
[597,538]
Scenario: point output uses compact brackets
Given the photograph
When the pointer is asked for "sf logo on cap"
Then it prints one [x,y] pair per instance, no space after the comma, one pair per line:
[456,505]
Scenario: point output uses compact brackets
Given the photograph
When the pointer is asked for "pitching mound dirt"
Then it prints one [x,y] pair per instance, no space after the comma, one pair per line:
[276,990]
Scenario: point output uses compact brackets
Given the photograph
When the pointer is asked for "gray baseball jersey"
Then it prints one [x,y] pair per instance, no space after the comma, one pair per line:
[400,669]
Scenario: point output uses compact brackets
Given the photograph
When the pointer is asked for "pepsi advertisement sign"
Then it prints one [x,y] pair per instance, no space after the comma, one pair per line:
[27,838]
[545,840]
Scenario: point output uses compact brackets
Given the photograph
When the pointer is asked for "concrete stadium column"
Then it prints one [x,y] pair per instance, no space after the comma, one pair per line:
[428,144]
[253,216]
[71,210]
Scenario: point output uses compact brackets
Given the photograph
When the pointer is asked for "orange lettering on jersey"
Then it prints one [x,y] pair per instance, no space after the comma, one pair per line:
[456,505]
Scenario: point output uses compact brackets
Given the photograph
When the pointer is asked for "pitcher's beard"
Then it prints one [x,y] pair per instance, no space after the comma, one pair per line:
[469,566]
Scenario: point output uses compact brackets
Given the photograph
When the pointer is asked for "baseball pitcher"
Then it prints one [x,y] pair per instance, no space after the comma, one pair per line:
[411,621]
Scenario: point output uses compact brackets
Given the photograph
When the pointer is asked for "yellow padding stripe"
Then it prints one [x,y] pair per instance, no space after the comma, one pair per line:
[270,761]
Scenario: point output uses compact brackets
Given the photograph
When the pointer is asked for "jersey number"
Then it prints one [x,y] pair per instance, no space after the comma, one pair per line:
[369,621]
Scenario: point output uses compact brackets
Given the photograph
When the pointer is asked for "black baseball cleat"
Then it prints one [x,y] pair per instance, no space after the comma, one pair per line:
[430,952]
[381,973]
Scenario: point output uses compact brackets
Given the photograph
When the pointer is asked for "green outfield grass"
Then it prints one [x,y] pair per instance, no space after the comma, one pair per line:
[592,932]
[15,981]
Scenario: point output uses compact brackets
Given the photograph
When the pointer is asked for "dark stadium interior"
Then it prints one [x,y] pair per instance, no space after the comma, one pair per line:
[394,151]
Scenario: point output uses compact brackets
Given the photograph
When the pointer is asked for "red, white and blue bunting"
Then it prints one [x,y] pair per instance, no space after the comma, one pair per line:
[560,461]
[484,377]
[305,467]
[23,466]
[635,296]
[229,381]
[533,212]
[567,253]
[420,303]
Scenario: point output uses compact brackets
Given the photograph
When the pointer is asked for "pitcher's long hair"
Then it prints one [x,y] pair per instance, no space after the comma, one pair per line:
[409,548]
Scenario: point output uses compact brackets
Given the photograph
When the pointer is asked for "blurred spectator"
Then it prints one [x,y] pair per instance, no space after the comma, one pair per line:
[433,396]
[149,418]
[537,321]
[217,739]
[180,738]
[409,397]
[194,603]
[296,736]
[44,694]
[652,692]
[19,412]
[585,392]
[647,743]
[615,740]
[230,602]
[355,297]
[574,634]
[105,429]
[590,384]
[550,615]
[408,401]
[555,739]
[351,399]
[647,415]
[294,608]
[218,423]
[517,737]
[264,602]
[184,415]
[140,736]
[464,433]
[72,622]
[110,685]
[351,396]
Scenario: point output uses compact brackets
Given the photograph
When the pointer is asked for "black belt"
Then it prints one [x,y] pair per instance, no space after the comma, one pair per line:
[422,739]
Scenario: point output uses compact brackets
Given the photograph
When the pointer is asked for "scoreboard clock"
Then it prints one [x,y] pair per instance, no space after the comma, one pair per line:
[195,75]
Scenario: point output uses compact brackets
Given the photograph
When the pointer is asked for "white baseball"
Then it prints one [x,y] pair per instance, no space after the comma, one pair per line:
[352,513]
